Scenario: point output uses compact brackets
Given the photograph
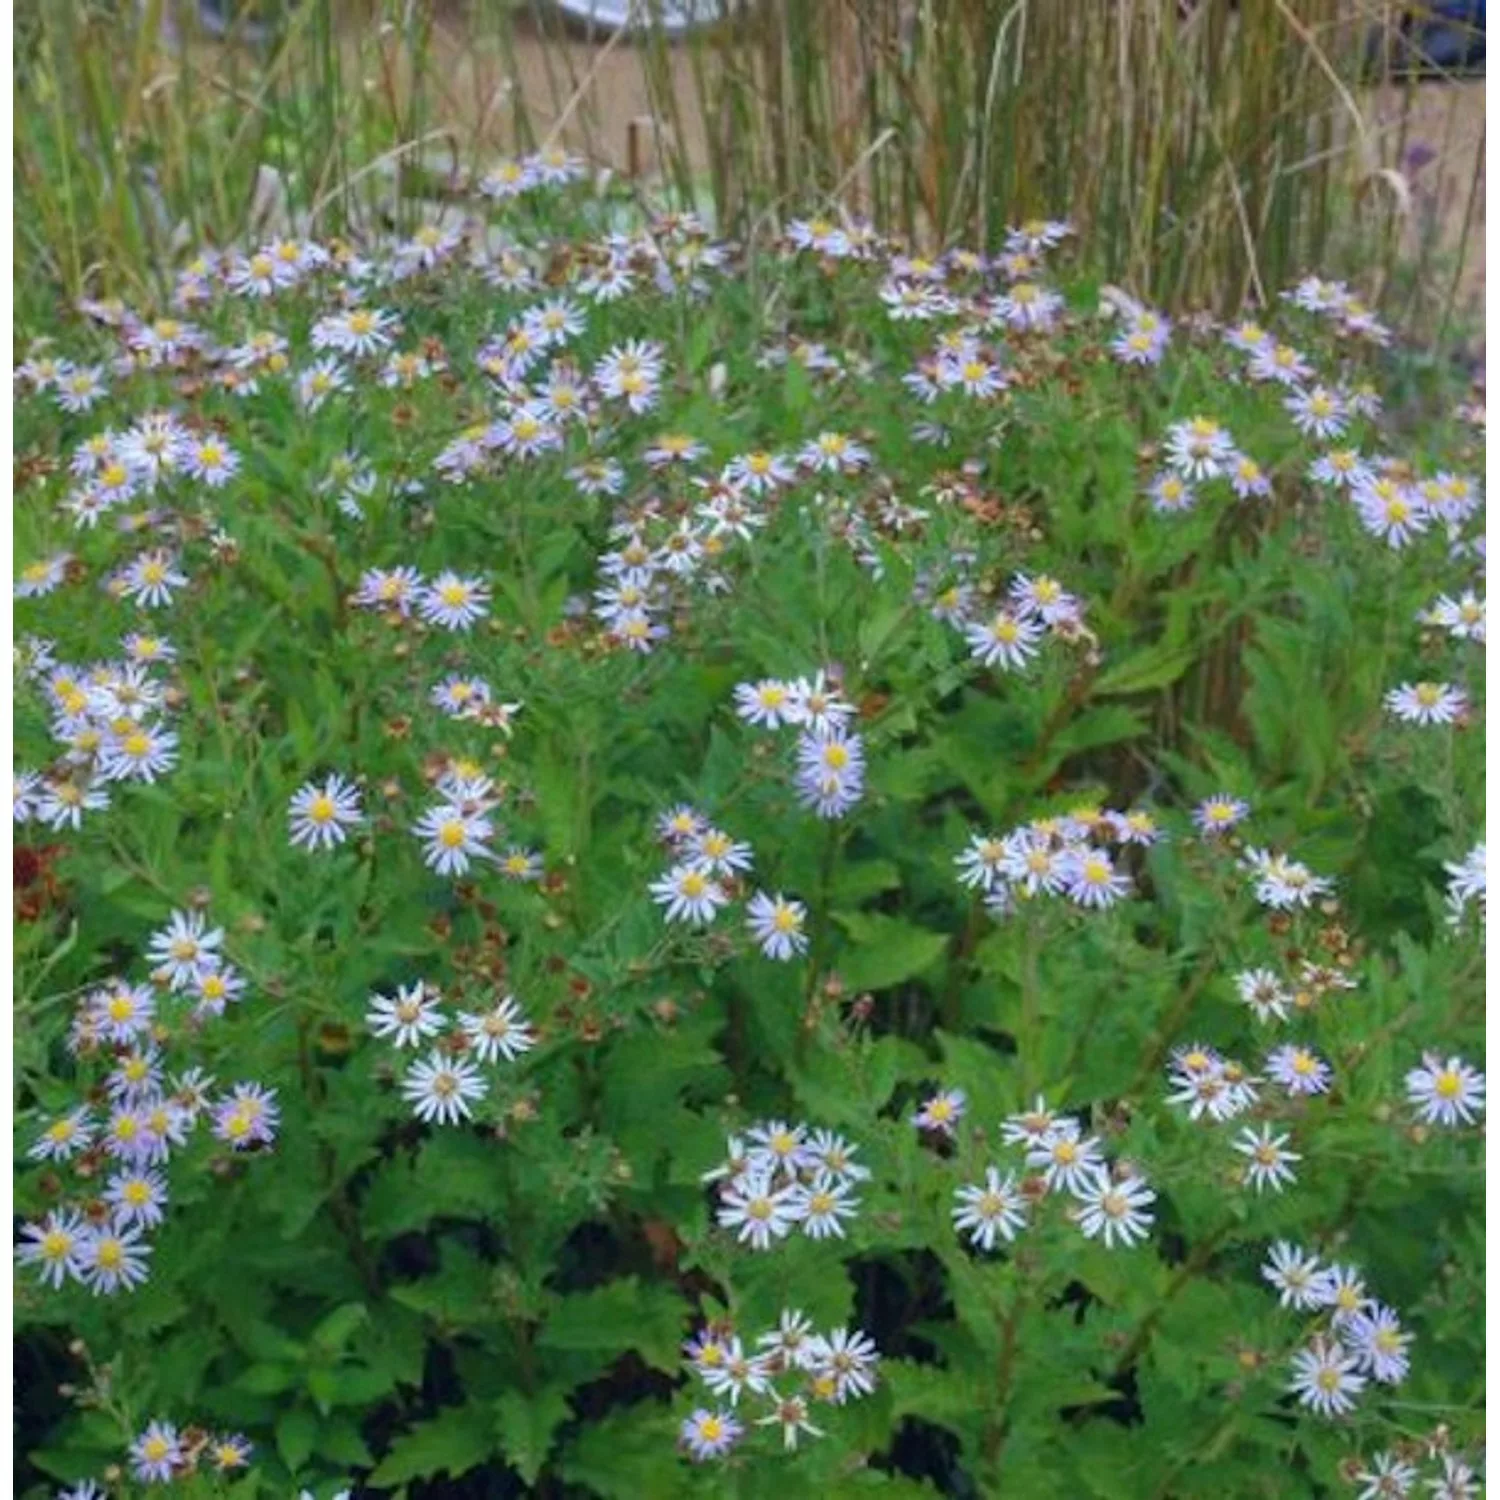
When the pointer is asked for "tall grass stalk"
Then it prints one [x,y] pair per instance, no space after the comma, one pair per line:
[1208,151]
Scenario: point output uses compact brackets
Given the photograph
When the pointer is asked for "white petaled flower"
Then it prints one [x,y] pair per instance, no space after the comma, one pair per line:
[790,1341]
[790,1414]
[847,1358]
[1325,1378]
[768,702]
[735,1372]
[1090,878]
[327,377]
[1445,1093]
[137,1197]
[454,838]
[1215,816]
[759,1211]
[1427,702]
[713,850]
[989,1209]
[1264,993]
[1199,448]
[1456,1482]
[321,816]
[1342,1289]
[826,1152]
[501,1031]
[1268,1160]
[1299,1070]
[1462,618]
[113,1257]
[156,1453]
[441,1088]
[941,1112]
[982,864]
[453,602]
[408,1017]
[1005,640]
[821,1206]
[64,1138]
[151,579]
[211,460]
[1171,494]
[1318,412]
[54,1246]
[689,893]
[710,1434]
[1066,1163]
[817,706]
[185,947]
[777,924]
[778,1147]
[142,753]
[1296,1275]
[1390,510]
[1374,1337]
[1386,1478]
[1114,1209]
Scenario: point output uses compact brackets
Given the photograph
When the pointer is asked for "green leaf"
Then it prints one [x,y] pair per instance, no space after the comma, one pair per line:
[526,1425]
[338,1327]
[1155,667]
[885,950]
[453,1442]
[617,1316]
[296,1433]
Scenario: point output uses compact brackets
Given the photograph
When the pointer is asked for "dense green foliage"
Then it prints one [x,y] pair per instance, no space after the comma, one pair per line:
[499,1306]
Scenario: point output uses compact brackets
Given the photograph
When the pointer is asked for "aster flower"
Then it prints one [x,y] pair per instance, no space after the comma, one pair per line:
[1374,1337]
[407,1018]
[1067,1163]
[1427,702]
[848,1357]
[112,1257]
[184,947]
[247,1117]
[1267,1159]
[1445,1093]
[1114,1209]
[55,1246]
[1005,640]
[1264,993]
[829,1154]
[942,1112]
[1297,1276]
[321,816]
[757,1210]
[64,1137]
[821,1206]
[767,703]
[1090,879]
[453,602]
[689,893]
[1298,1070]
[791,1341]
[137,1196]
[990,1209]
[1386,1477]
[501,1031]
[151,579]
[156,1453]
[1325,1378]
[790,1413]
[777,924]
[710,1434]
[454,838]
[440,1088]
[735,1372]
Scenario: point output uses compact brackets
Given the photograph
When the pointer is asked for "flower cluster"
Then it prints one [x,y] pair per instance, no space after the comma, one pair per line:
[830,776]
[122,1033]
[1073,856]
[442,1087]
[780,1177]
[1110,1202]
[1359,1339]
[792,1371]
